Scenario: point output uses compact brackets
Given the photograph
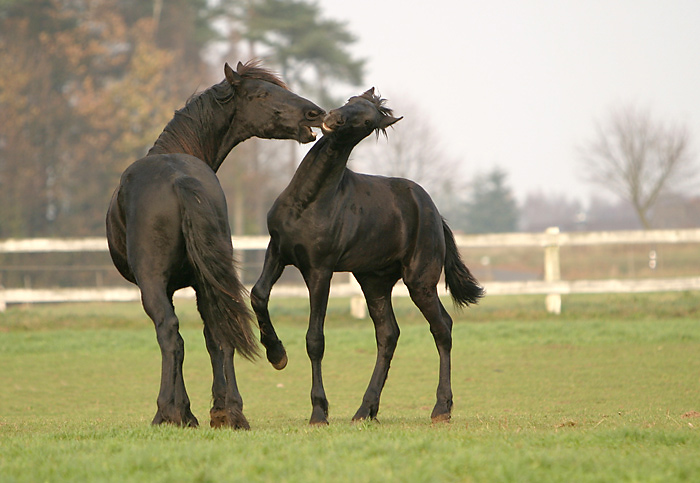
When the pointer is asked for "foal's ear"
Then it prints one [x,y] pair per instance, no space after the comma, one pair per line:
[232,76]
[387,121]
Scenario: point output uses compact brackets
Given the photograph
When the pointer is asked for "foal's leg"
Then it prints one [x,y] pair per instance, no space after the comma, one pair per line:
[378,295]
[424,295]
[318,283]
[260,297]
[173,402]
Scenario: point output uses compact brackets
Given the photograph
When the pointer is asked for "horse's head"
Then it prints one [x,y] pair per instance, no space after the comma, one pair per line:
[267,109]
[360,116]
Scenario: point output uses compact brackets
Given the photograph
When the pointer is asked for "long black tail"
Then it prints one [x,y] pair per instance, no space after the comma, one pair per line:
[464,288]
[220,294]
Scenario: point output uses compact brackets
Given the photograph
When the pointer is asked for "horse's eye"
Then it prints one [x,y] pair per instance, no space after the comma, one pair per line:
[368,123]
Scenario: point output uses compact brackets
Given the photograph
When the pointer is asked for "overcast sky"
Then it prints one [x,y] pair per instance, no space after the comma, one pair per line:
[519,84]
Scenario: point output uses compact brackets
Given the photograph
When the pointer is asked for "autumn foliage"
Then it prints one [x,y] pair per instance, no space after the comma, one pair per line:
[82,95]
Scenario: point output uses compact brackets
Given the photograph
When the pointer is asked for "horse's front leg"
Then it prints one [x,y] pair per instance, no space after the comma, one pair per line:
[318,283]
[260,298]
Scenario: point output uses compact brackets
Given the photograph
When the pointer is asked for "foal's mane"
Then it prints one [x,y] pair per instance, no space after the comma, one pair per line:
[190,129]
[377,100]
[380,104]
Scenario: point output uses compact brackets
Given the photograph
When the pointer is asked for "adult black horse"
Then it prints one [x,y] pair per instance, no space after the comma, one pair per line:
[167,228]
[330,219]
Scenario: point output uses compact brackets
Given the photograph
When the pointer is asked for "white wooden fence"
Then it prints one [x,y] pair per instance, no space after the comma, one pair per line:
[549,241]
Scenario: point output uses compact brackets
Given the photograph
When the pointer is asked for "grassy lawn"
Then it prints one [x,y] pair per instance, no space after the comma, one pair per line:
[607,391]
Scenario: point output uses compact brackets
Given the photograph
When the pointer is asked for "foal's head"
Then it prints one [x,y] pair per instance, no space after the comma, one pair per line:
[360,116]
[267,108]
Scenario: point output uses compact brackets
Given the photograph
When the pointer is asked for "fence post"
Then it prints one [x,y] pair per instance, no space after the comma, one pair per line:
[358,308]
[3,302]
[552,270]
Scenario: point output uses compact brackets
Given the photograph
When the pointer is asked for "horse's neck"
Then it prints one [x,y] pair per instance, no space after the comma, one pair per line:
[209,141]
[210,148]
[319,173]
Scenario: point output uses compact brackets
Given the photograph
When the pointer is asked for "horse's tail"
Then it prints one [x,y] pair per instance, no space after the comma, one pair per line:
[464,288]
[220,294]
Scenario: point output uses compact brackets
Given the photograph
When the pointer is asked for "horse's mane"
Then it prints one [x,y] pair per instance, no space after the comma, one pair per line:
[192,124]
[253,70]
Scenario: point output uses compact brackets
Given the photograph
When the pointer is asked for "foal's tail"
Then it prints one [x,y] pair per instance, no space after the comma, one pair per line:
[464,288]
[220,294]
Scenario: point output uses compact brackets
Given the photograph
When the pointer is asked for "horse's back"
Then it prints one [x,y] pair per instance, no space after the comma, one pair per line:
[144,221]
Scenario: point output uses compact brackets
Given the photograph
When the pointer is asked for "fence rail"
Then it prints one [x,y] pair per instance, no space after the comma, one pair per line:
[549,241]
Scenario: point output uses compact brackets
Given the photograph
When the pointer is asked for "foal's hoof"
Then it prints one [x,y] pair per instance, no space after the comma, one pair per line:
[364,421]
[319,417]
[323,422]
[365,413]
[277,356]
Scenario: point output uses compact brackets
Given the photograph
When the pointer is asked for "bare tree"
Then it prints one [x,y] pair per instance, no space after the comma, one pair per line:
[638,159]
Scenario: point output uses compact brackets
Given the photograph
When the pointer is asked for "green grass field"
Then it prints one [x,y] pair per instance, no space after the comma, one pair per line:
[607,391]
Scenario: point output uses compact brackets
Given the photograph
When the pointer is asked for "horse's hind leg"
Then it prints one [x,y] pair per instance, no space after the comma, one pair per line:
[424,295]
[260,298]
[378,295]
[173,402]
[218,387]
[227,403]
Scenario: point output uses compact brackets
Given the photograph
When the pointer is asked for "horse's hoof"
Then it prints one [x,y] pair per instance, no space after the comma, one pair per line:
[221,418]
[441,418]
[218,418]
[186,421]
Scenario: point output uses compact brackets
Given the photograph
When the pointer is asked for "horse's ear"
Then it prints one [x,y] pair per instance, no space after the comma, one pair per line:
[232,76]
[368,93]
[388,121]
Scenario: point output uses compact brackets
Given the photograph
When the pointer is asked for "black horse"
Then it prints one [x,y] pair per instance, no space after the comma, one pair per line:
[330,219]
[167,228]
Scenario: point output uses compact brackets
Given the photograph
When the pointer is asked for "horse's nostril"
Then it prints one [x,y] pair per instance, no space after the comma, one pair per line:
[314,114]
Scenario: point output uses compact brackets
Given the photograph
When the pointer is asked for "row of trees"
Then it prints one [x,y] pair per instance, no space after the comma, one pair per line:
[86,87]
